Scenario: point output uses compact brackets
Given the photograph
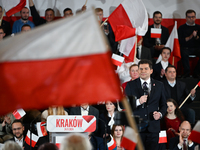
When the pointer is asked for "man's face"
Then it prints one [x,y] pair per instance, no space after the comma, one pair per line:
[157,19]
[100,15]
[24,14]
[2,34]
[26,28]
[170,74]
[190,18]
[49,16]
[18,130]
[185,129]
[145,71]
[165,54]
[68,14]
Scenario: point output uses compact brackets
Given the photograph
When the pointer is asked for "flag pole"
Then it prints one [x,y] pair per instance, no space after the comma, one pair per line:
[131,121]
[86,2]
[187,97]
[173,60]
[104,22]
[2,17]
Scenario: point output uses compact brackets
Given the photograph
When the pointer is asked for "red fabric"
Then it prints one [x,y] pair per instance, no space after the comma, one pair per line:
[16,114]
[27,140]
[162,140]
[199,83]
[67,81]
[155,35]
[123,32]
[194,136]
[17,8]
[128,144]
[116,62]
[43,130]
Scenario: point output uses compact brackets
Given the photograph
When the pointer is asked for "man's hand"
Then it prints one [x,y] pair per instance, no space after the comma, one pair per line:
[7,120]
[143,99]
[3,123]
[156,115]
[83,8]
[193,91]
[31,3]
[194,33]
[162,72]
[181,138]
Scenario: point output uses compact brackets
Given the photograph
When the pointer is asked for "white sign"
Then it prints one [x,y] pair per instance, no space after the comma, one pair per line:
[61,123]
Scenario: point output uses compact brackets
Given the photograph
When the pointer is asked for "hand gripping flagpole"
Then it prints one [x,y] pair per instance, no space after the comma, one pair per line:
[198,84]
[131,121]
[86,2]
[104,22]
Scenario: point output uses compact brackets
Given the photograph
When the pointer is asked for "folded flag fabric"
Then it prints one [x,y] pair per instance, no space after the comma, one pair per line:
[155,33]
[33,140]
[19,113]
[195,134]
[41,129]
[162,137]
[13,6]
[117,60]
[112,144]
[129,139]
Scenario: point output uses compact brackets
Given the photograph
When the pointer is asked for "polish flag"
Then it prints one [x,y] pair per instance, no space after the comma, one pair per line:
[129,139]
[198,83]
[39,70]
[195,134]
[19,113]
[41,129]
[173,44]
[13,6]
[155,33]
[34,139]
[117,60]
[112,144]
[162,137]
[127,20]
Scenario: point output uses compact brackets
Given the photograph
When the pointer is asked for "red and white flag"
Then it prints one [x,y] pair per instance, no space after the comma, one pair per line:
[155,33]
[39,70]
[129,139]
[34,139]
[162,137]
[127,20]
[173,44]
[41,129]
[112,144]
[195,134]
[117,60]
[19,113]
[13,6]
[198,83]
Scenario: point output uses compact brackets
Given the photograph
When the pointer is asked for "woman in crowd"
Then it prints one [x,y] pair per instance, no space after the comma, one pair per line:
[106,119]
[172,120]
[117,133]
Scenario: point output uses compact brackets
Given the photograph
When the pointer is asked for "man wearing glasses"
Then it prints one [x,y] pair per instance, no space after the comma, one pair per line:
[188,35]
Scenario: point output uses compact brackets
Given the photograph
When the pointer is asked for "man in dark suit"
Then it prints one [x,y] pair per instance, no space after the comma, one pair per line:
[159,68]
[143,52]
[181,142]
[150,102]
[156,44]
[85,109]
[177,90]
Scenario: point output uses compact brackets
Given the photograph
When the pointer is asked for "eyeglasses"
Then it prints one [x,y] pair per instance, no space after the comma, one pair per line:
[1,33]
[191,17]
[14,129]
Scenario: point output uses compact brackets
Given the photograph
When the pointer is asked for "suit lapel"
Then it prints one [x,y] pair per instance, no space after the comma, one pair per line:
[178,87]
[153,85]
[139,87]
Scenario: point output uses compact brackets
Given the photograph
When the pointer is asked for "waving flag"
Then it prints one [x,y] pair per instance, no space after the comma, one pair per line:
[112,144]
[129,139]
[41,129]
[13,6]
[127,20]
[19,113]
[173,44]
[61,63]
[194,136]
[34,138]
[162,137]
[117,59]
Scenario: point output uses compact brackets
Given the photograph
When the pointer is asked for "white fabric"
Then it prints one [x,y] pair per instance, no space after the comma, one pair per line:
[8,4]
[111,122]
[164,64]
[130,134]
[139,51]
[20,142]
[84,111]
[35,44]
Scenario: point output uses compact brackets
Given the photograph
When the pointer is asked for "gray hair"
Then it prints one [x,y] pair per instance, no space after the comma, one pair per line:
[75,142]
[11,145]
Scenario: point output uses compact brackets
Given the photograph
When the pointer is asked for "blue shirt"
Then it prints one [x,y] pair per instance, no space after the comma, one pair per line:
[18,25]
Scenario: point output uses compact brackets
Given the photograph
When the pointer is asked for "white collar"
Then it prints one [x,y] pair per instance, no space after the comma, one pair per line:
[148,81]
[87,109]
[191,25]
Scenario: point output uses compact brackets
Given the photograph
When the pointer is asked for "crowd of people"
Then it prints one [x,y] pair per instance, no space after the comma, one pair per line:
[158,94]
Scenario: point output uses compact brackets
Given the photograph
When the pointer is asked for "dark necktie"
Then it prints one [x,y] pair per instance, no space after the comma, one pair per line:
[137,55]
[145,88]
[184,145]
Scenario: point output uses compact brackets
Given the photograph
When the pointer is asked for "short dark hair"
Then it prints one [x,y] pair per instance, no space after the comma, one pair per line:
[17,121]
[49,9]
[25,25]
[66,9]
[1,7]
[157,12]
[170,66]
[190,11]
[22,8]
[165,48]
[132,66]
[145,61]
[2,28]
[98,10]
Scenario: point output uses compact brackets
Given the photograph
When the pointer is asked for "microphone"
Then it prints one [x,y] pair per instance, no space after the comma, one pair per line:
[145,89]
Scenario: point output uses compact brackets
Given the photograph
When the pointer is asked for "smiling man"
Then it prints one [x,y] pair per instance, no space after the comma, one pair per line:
[156,44]
[150,102]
